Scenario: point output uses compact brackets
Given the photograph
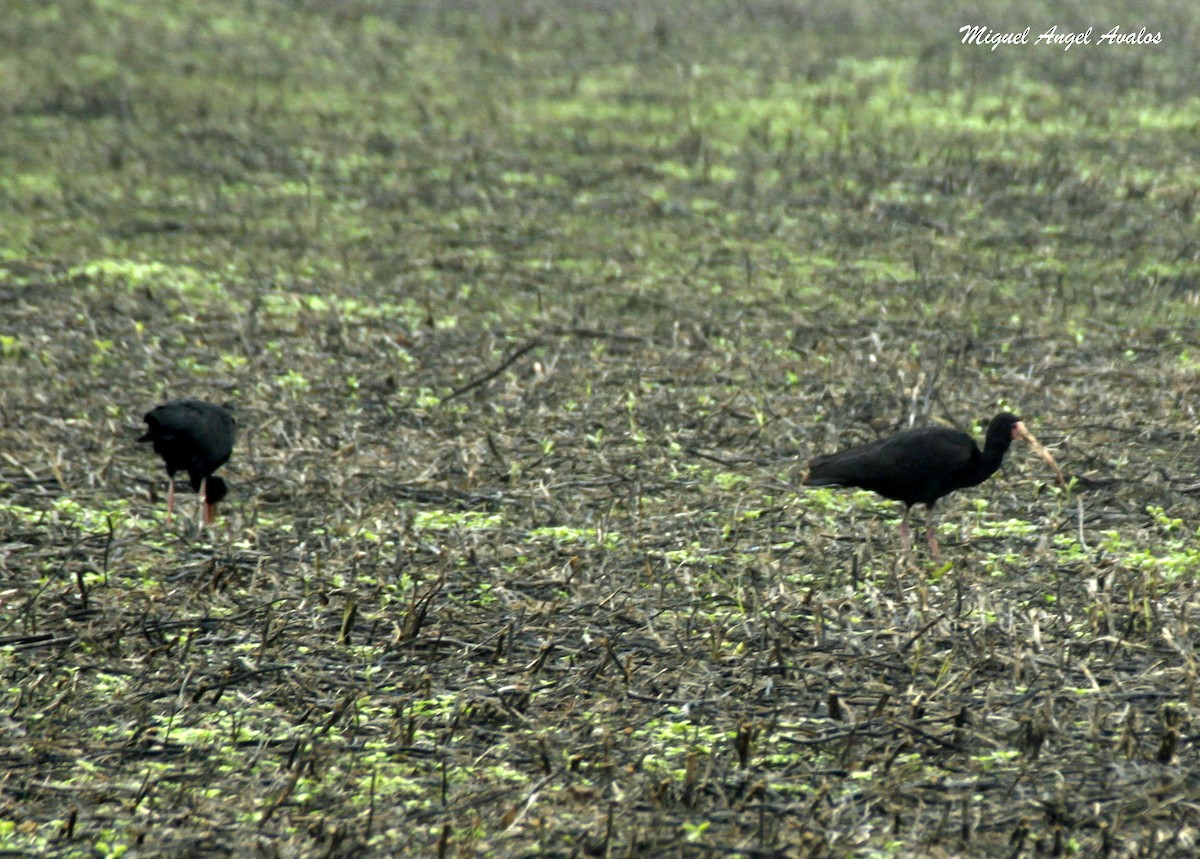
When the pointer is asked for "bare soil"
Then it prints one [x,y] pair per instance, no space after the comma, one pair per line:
[531,318]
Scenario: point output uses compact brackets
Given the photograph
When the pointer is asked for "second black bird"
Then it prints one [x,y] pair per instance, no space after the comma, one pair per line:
[197,437]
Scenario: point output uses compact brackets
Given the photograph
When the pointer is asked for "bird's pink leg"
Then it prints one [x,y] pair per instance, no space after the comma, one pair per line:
[931,537]
[170,498]
[905,539]
[203,518]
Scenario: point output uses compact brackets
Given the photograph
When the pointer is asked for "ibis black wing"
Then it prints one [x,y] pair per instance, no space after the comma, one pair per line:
[191,434]
[915,466]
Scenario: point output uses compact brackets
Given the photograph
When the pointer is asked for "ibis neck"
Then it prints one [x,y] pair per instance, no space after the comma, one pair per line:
[993,454]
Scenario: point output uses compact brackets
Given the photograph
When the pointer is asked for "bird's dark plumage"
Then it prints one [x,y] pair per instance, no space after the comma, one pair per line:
[193,436]
[919,466]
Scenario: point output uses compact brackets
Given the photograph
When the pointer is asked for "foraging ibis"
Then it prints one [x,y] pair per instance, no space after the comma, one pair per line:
[919,466]
[197,437]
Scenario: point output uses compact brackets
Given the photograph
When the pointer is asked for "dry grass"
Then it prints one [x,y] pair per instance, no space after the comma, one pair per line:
[514,561]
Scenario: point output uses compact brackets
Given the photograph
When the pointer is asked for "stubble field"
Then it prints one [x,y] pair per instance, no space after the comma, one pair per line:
[532,316]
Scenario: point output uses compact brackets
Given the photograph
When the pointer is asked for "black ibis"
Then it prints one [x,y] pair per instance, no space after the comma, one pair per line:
[919,466]
[197,437]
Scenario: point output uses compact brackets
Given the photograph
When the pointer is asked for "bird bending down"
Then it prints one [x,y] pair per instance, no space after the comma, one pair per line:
[919,466]
[197,437]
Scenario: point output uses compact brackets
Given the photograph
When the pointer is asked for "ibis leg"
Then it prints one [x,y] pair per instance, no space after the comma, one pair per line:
[931,537]
[905,538]
[203,518]
[170,497]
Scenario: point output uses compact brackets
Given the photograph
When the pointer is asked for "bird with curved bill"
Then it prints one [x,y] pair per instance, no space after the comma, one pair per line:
[197,437]
[920,466]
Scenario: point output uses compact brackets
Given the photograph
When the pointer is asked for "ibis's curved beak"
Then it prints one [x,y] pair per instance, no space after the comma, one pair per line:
[1020,432]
